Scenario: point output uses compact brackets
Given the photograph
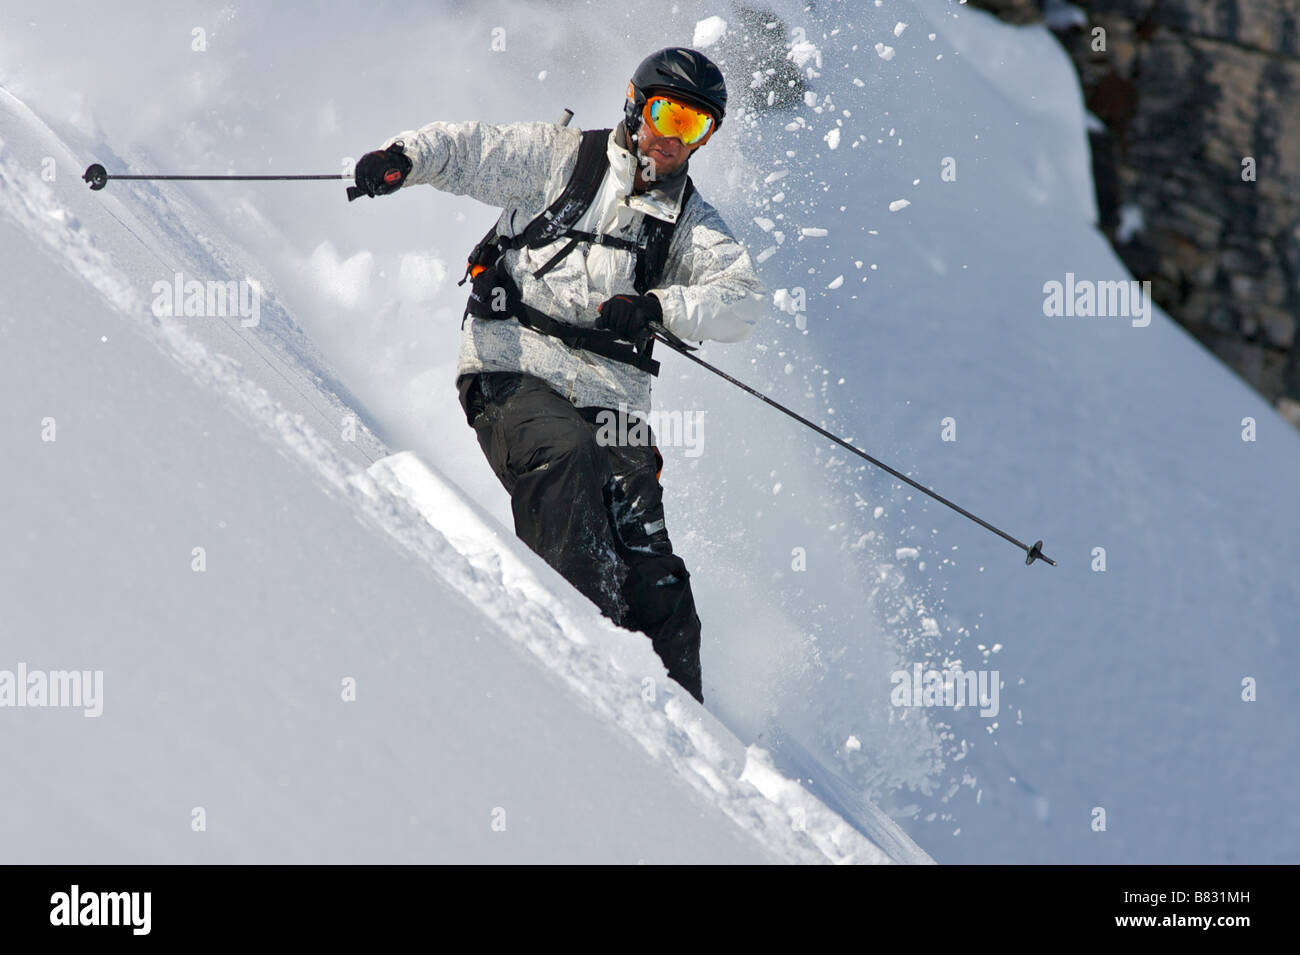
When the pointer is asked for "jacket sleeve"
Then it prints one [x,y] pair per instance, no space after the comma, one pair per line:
[506,165]
[713,291]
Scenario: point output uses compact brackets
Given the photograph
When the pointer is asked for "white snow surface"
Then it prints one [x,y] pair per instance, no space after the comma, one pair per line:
[486,690]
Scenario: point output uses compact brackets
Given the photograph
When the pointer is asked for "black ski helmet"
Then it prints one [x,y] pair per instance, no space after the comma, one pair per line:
[687,74]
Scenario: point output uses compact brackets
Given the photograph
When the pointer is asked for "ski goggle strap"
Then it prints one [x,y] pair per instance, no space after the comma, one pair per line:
[669,117]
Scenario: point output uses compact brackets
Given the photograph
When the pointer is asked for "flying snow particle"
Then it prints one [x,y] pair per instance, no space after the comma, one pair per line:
[836,282]
[813,233]
[708,32]
[898,204]
[805,53]
[884,52]
[833,139]
[899,27]
[852,743]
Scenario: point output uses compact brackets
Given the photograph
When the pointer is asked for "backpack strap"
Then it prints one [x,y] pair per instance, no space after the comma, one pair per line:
[578,193]
[489,284]
[555,220]
[658,236]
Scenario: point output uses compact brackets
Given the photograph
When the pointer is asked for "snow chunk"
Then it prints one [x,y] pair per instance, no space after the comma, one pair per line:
[783,300]
[905,553]
[884,52]
[898,204]
[899,27]
[764,223]
[836,282]
[833,138]
[813,233]
[708,32]
[852,743]
[1060,15]
[1130,222]
[805,53]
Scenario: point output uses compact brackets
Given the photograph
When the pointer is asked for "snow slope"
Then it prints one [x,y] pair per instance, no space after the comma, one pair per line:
[493,719]
[1120,690]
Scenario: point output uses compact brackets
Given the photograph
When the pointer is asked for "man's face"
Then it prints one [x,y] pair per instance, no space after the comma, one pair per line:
[667,153]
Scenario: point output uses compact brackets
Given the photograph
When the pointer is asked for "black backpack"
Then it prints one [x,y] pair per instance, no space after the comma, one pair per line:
[554,223]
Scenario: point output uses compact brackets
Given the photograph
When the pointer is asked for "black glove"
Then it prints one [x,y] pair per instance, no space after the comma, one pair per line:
[383,171]
[629,317]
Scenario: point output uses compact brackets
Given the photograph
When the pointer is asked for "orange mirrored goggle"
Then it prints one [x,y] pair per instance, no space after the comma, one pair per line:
[669,117]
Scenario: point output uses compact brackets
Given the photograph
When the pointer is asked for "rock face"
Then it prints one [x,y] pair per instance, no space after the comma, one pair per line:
[1198,166]
[1013,11]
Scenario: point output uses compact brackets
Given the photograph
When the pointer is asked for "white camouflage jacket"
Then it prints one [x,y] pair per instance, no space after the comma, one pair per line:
[709,289]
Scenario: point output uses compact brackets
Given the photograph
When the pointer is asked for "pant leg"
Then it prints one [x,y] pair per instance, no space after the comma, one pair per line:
[657,586]
[546,456]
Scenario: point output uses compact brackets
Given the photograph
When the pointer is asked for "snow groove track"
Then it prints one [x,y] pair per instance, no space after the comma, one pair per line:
[674,728]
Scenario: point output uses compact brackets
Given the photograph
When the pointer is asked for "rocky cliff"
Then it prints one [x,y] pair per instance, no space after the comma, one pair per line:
[1197,162]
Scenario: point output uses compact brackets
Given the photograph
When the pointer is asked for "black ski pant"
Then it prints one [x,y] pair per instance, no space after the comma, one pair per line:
[591,507]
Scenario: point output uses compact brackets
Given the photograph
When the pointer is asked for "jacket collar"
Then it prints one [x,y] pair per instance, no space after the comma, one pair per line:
[663,199]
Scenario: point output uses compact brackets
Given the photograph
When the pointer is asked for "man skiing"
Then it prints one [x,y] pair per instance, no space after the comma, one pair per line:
[602,241]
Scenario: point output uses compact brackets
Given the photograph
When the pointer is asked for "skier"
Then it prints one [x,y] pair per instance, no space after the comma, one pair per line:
[601,241]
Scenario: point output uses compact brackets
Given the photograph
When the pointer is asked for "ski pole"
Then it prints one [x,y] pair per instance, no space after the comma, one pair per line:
[98,177]
[676,344]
